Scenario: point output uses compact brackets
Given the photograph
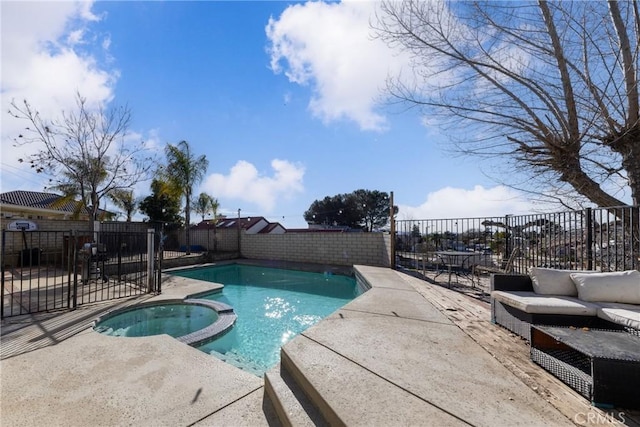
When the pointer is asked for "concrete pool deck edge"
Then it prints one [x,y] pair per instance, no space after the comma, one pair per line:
[390,357]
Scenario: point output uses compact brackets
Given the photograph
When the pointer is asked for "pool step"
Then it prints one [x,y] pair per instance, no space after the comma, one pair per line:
[293,363]
[291,406]
[346,393]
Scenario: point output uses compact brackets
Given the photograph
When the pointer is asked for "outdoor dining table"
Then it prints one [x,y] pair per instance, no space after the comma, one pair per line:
[455,263]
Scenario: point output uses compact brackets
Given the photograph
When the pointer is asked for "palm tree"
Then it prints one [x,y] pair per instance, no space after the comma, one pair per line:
[205,205]
[124,200]
[215,205]
[184,170]
[202,206]
[81,181]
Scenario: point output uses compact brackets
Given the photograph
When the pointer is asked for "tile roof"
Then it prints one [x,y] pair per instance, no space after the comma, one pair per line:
[35,199]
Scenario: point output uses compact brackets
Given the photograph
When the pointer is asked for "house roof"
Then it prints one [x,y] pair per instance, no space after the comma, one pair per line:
[38,200]
[245,223]
[270,227]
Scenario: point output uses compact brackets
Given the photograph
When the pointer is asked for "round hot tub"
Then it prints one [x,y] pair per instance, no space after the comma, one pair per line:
[192,321]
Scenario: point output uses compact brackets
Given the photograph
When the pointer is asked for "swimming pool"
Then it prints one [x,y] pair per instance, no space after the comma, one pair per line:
[272,305]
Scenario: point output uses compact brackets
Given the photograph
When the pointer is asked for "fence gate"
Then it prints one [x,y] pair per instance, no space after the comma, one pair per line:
[56,270]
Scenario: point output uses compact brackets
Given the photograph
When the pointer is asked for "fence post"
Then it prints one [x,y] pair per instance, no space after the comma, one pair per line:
[635,236]
[392,231]
[589,241]
[2,261]
[73,241]
[507,236]
[160,258]
[150,258]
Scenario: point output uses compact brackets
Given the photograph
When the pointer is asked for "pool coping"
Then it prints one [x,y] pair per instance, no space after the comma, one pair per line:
[226,319]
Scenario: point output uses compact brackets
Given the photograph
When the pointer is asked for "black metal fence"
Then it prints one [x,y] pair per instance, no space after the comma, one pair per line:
[53,270]
[606,239]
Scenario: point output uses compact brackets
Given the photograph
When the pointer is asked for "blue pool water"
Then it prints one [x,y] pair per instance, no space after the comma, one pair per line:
[273,306]
[154,319]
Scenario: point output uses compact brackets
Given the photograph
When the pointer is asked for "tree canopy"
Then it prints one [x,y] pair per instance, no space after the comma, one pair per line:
[124,200]
[86,152]
[548,88]
[162,206]
[206,204]
[362,209]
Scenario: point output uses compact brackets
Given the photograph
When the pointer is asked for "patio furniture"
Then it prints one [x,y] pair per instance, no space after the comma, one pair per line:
[601,365]
[551,297]
[455,263]
[505,267]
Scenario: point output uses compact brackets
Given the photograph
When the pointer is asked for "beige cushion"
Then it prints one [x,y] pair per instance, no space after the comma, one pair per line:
[622,314]
[616,286]
[531,302]
[552,281]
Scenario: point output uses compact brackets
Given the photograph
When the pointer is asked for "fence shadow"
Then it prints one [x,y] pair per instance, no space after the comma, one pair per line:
[26,333]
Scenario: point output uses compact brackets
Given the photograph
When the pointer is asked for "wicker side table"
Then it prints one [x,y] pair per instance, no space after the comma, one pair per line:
[602,365]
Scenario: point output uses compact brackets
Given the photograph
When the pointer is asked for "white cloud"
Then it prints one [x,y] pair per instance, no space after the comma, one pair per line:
[329,47]
[40,64]
[478,202]
[245,183]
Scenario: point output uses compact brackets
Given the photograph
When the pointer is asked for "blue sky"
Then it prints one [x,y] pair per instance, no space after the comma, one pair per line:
[283,98]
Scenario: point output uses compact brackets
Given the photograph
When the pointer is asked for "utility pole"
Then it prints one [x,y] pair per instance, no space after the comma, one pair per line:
[239,228]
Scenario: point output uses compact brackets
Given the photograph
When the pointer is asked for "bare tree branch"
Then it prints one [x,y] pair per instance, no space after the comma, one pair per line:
[85,152]
[551,86]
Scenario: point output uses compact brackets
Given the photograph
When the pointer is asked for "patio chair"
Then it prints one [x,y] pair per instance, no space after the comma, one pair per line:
[505,267]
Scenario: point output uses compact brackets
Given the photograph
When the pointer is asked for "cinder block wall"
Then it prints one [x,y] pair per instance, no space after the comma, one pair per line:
[320,248]
[52,240]
[227,239]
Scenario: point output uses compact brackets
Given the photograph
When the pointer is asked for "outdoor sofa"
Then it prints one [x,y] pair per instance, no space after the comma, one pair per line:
[547,296]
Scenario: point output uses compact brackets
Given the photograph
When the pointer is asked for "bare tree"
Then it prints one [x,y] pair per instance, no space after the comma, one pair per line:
[85,152]
[548,88]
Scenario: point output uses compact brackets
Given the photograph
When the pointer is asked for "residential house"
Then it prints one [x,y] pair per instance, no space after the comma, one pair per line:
[38,205]
[250,225]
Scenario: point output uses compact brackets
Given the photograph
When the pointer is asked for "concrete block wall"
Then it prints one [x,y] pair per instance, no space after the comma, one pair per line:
[227,239]
[320,248]
[52,240]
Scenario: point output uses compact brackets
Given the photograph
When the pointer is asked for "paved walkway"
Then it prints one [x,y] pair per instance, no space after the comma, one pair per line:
[388,358]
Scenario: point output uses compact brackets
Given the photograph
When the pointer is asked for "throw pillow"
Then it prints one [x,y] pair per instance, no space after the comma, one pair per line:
[617,286]
[552,281]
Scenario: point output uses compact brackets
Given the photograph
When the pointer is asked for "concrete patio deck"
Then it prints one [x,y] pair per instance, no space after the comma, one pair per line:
[393,356]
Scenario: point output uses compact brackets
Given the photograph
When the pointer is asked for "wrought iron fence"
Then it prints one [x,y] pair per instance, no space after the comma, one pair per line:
[606,239]
[53,270]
